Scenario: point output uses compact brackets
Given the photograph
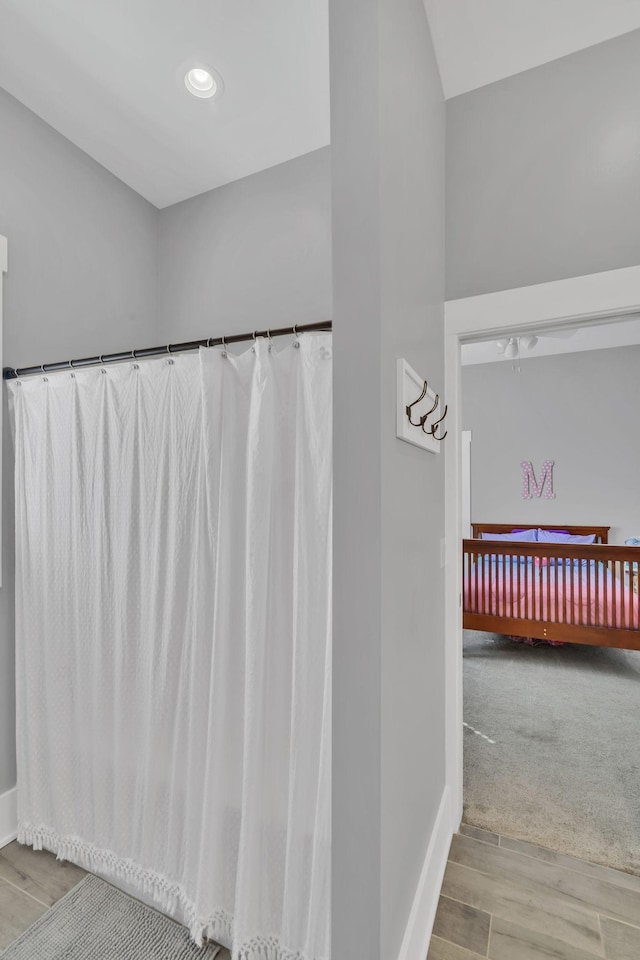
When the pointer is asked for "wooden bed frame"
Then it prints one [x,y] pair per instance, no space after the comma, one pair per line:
[612,620]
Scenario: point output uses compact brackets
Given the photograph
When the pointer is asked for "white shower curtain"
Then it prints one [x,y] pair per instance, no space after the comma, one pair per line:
[173,524]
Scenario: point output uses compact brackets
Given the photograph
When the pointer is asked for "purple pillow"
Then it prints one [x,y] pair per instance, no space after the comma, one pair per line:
[529,536]
[558,536]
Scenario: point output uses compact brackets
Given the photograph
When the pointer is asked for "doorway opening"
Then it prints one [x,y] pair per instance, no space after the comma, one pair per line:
[541,752]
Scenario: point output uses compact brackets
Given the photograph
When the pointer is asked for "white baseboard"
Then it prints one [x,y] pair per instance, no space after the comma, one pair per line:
[8,816]
[415,943]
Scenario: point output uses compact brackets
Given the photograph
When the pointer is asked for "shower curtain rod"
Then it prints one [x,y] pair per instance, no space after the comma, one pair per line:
[9,373]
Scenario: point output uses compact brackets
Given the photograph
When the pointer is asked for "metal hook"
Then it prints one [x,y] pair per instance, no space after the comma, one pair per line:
[423,418]
[270,340]
[434,425]
[224,347]
[297,340]
[253,348]
[408,407]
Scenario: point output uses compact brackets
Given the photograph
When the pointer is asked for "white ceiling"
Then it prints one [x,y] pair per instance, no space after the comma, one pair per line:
[479,41]
[108,74]
[620,333]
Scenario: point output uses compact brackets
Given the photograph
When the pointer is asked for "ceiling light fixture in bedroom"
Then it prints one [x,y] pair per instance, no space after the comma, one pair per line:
[512,346]
[511,349]
[203,82]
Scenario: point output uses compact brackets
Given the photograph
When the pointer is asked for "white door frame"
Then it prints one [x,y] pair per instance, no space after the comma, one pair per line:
[465,482]
[558,303]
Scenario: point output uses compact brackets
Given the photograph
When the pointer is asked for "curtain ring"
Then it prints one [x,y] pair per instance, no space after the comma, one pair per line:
[224,348]
[253,348]
[269,339]
[297,340]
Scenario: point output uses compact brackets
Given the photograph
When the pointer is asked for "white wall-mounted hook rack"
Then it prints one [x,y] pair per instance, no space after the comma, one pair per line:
[409,388]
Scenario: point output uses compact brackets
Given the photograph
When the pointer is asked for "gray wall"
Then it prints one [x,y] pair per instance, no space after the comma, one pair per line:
[412,298]
[578,409]
[388,255]
[357,481]
[254,253]
[543,178]
[81,280]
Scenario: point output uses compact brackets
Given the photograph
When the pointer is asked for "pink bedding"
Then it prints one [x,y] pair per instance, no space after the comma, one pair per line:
[527,590]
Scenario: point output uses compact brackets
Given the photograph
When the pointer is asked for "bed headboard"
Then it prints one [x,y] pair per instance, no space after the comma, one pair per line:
[602,533]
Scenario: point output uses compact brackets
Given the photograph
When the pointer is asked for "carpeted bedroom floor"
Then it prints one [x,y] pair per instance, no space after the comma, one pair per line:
[564,768]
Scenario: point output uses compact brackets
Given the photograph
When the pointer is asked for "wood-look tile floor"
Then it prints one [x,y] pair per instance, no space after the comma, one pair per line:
[30,882]
[501,899]
[504,899]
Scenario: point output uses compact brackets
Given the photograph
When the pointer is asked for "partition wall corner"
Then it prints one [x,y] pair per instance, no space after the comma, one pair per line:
[4,261]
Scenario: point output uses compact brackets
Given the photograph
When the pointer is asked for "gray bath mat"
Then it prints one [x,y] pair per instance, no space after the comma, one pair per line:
[96,921]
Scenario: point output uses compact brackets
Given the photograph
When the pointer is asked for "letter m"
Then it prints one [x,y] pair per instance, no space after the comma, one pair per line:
[531,487]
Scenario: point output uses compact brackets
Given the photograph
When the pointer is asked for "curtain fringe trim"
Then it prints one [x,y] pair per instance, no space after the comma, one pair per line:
[268,948]
[166,893]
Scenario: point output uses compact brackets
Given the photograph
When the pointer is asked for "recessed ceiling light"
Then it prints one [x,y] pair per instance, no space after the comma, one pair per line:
[200,82]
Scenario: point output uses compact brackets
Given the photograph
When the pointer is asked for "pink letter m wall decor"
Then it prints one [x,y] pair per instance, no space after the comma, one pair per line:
[530,487]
